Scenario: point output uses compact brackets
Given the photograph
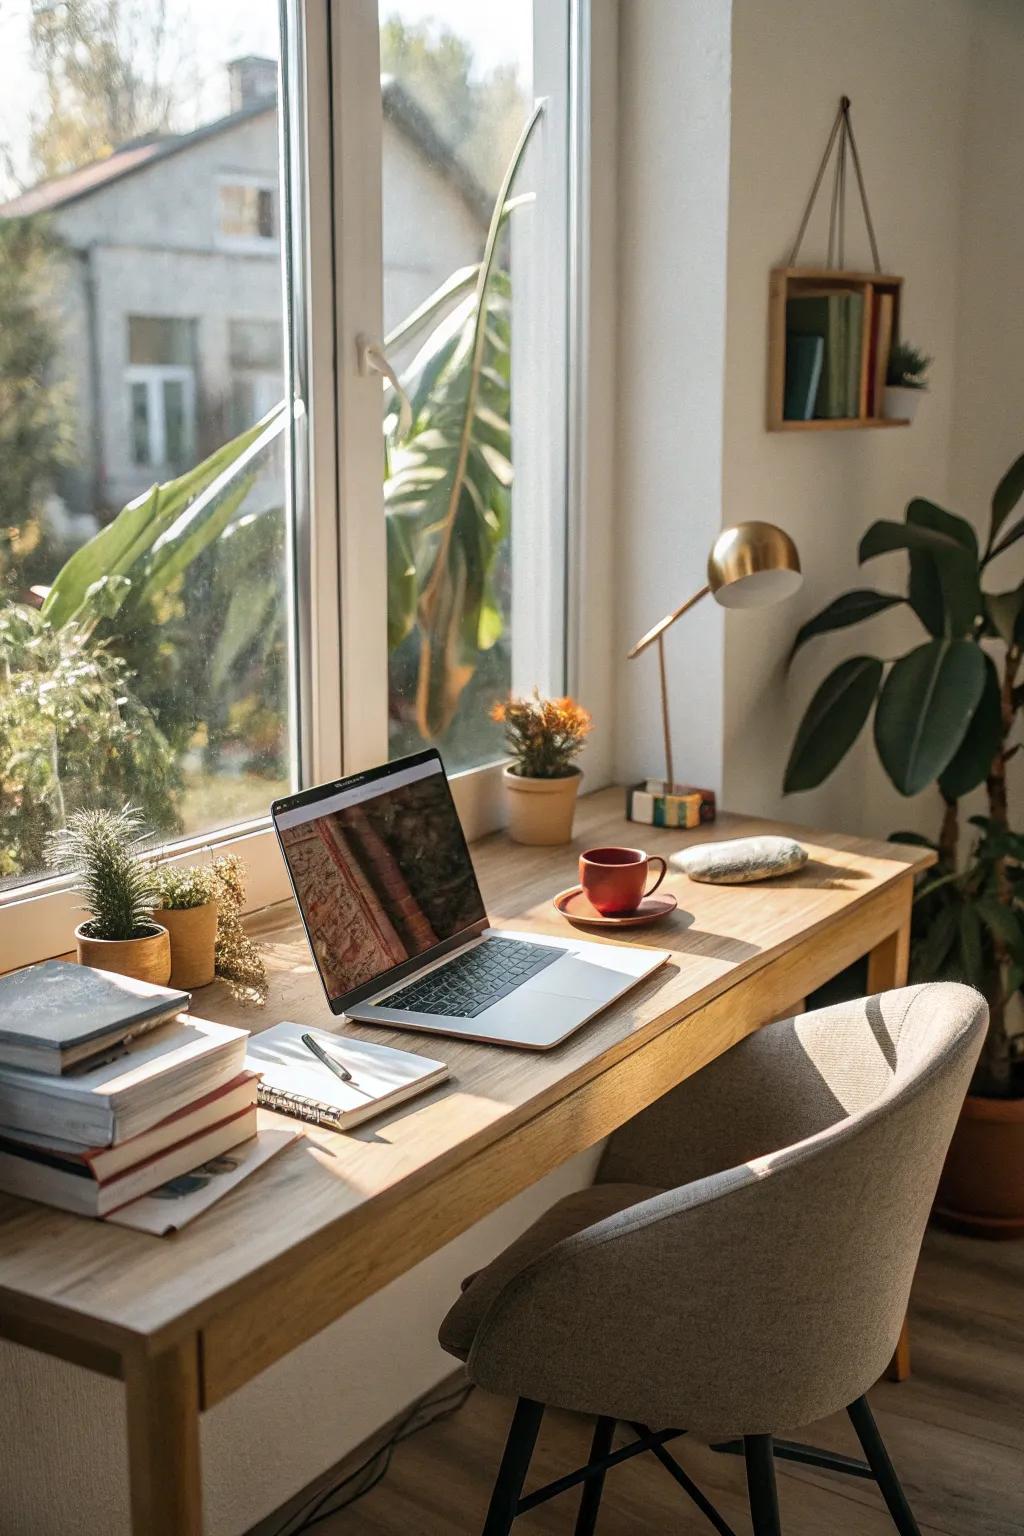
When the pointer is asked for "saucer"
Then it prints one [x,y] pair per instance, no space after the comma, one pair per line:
[574,905]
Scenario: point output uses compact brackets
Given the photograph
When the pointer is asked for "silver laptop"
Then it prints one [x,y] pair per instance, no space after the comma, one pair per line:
[394,917]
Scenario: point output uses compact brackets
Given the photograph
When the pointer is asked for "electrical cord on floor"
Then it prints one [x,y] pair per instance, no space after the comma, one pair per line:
[356,1484]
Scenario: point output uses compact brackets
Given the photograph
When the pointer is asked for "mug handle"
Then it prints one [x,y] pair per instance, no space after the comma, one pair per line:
[656,858]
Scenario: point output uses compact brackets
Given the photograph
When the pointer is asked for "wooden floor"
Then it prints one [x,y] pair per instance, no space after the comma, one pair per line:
[955,1433]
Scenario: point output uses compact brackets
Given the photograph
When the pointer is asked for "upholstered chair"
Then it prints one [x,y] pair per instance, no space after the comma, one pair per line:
[743,1263]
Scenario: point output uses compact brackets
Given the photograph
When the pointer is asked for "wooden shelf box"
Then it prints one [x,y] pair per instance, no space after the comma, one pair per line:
[821,282]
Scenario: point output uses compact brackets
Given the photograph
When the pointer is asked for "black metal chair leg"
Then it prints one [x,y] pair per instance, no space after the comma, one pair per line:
[863,1421]
[515,1463]
[761,1490]
[590,1503]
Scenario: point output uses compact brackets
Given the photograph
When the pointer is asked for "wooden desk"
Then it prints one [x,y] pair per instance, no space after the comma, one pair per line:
[186,1321]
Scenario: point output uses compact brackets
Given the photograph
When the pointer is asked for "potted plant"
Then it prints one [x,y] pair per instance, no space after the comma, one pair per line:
[904,382]
[543,737]
[188,910]
[945,715]
[103,848]
[201,904]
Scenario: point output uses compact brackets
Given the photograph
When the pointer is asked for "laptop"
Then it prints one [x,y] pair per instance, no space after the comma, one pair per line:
[394,917]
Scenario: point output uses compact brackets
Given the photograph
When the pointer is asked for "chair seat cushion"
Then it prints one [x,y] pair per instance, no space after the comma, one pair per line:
[569,1216]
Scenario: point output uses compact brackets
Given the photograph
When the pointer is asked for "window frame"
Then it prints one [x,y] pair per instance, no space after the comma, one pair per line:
[153,376]
[331,201]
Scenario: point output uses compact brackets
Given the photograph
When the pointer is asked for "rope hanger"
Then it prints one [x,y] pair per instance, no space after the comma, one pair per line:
[842,130]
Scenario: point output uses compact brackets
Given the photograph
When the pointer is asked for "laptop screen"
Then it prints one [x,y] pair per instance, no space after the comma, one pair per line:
[380,870]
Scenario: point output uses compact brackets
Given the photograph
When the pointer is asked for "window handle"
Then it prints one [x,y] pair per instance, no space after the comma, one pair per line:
[373,359]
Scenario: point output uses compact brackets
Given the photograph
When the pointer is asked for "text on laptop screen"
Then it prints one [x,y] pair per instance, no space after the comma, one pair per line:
[381,873]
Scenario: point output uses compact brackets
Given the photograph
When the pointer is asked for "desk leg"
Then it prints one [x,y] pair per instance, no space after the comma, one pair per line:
[888,963]
[162,1400]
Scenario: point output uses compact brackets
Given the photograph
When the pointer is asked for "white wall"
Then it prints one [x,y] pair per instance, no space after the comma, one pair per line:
[937,111]
[673,203]
[905,70]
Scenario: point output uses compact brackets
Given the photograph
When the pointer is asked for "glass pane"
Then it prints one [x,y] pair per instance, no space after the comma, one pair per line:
[165,682]
[161,339]
[247,212]
[177,427]
[458,89]
[140,424]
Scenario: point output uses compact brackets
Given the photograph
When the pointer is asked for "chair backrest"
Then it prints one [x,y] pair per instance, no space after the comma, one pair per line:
[778,1286]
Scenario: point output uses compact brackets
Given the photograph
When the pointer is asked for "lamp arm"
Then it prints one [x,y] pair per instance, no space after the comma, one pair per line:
[666,623]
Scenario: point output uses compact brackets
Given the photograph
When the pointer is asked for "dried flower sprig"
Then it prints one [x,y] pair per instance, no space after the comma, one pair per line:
[543,736]
[238,960]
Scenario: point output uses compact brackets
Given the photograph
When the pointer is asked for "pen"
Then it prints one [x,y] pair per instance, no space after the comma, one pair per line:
[328,1060]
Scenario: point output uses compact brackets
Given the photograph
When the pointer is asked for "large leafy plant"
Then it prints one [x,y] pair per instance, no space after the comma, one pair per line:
[945,713]
[447,482]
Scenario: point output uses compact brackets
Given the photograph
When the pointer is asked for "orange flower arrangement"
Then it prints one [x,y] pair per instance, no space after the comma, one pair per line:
[543,735]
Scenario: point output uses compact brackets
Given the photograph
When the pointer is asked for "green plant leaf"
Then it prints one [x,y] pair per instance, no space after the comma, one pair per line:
[1003,923]
[850,608]
[970,763]
[925,708]
[1004,610]
[124,545]
[972,948]
[945,591]
[933,951]
[1007,541]
[832,722]
[1006,496]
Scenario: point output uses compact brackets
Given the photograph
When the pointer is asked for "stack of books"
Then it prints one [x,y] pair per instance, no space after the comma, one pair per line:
[108,1089]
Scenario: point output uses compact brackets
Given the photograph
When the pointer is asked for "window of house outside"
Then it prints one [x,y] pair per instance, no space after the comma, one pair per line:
[175,542]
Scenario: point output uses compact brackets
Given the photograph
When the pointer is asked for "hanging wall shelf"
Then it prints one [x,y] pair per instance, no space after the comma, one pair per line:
[830,330]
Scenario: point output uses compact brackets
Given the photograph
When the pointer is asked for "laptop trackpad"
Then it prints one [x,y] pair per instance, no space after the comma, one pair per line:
[573,977]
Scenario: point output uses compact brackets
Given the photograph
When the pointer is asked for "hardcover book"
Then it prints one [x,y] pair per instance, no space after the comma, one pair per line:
[56,1014]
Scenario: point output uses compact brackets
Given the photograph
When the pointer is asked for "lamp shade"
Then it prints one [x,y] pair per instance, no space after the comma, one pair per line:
[753,565]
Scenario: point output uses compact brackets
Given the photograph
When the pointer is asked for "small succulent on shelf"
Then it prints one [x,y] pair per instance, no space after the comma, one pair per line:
[237,958]
[104,849]
[907,367]
[543,736]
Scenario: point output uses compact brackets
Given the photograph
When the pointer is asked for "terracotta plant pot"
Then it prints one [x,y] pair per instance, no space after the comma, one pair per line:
[193,932]
[981,1191]
[540,811]
[146,959]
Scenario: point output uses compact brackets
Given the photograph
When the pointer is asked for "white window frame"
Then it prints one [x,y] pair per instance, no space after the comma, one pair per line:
[333,197]
[154,376]
[247,245]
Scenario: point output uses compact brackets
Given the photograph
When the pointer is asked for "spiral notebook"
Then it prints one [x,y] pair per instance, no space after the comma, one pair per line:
[295,1083]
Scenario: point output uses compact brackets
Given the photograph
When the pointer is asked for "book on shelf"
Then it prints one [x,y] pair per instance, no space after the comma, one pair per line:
[72,1182]
[141,1082]
[295,1083]
[836,317]
[57,1014]
[805,356]
[881,337]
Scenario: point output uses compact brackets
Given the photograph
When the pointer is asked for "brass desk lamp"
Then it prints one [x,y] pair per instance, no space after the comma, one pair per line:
[750,566]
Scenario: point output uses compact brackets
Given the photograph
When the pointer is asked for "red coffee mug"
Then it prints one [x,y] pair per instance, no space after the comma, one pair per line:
[613,879]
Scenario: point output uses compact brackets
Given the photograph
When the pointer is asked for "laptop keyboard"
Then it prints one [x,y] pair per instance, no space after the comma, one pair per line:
[474,980]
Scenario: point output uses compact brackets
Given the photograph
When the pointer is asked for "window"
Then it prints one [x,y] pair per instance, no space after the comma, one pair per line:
[245,213]
[147,650]
[475,492]
[277,612]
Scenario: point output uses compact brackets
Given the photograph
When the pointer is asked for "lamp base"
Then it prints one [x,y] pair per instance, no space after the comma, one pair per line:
[653,805]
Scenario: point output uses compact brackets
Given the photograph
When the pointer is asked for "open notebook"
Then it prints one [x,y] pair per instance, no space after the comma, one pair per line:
[296,1083]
